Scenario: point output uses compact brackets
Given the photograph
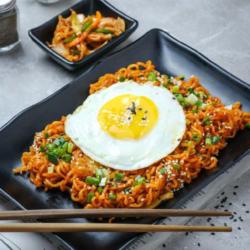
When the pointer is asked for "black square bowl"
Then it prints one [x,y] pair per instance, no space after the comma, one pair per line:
[44,33]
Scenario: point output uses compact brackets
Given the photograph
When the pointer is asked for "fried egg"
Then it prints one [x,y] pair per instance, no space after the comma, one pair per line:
[127,126]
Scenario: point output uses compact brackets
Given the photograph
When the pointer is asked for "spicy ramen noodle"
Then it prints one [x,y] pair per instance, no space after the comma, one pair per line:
[55,162]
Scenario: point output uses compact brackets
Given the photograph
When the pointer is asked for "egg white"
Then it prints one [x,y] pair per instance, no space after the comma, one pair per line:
[85,131]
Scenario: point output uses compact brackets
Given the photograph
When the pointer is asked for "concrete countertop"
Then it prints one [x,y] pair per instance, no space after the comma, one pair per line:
[217,28]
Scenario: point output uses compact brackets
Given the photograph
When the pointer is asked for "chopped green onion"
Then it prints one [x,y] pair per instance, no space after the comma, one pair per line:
[176,166]
[181,77]
[175,89]
[99,190]
[112,196]
[50,146]
[66,157]
[191,99]
[208,141]
[165,80]
[248,125]
[122,79]
[196,137]
[180,97]
[92,180]
[102,182]
[127,190]
[206,121]
[100,173]
[90,196]
[199,103]
[86,25]
[52,158]
[70,147]
[65,147]
[212,140]
[152,77]
[139,180]
[59,141]
[191,90]
[163,171]
[70,39]
[51,169]
[104,31]
[42,148]
[215,139]
[46,135]
[119,176]
[58,150]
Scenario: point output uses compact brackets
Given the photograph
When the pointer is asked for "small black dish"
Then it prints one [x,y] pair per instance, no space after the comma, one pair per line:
[44,33]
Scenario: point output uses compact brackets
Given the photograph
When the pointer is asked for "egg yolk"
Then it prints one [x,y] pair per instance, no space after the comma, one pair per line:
[128,116]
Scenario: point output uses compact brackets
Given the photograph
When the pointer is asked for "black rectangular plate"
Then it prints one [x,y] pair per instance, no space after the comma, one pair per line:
[44,33]
[170,56]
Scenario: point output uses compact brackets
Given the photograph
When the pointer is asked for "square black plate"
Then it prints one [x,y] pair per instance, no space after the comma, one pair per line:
[170,56]
[44,33]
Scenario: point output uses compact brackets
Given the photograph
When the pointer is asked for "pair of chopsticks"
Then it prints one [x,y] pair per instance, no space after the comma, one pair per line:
[105,227]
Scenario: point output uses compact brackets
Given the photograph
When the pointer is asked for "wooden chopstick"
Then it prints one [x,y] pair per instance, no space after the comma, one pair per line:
[105,213]
[106,227]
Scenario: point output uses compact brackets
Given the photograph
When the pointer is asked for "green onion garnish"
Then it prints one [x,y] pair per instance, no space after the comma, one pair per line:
[52,158]
[176,166]
[152,77]
[127,190]
[206,121]
[208,141]
[66,157]
[58,149]
[139,180]
[163,171]
[196,137]
[86,25]
[175,89]
[70,147]
[92,180]
[122,79]
[104,31]
[70,39]
[215,139]
[46,135]
[42,148]
[179,97]
[212,140]
[112,196]
[90,196]
[181,77]
[119,176]
[99,190]
[199,103]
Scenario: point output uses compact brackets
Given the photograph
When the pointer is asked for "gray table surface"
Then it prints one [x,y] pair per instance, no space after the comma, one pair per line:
[217,28]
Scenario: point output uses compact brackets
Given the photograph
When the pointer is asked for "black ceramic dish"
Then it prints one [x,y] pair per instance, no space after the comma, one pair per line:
[44,33]
[170,56]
